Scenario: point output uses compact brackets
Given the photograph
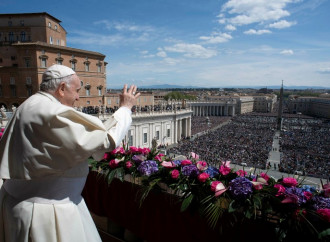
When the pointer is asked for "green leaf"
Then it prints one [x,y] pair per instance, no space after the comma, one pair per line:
[186,202]
[231,208]
[324,233]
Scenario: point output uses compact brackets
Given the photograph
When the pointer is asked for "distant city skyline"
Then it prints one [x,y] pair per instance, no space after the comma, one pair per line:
[198,43]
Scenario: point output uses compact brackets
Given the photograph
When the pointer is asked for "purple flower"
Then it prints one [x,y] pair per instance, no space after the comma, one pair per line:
[296,192]
[177,162]
[320,202]
[240,188]
[138,158]
[212,171]
[148,167]
[190,170]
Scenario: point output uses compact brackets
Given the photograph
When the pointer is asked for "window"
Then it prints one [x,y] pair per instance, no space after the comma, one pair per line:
[12,81]
[27,62]
[88,102]
[109,101]
[22,22]
[73,65]
[55,27]
[157,135]
[13,91]
[23,36]
[11,36]
[145,137]
[88,92]
[168,133]
[59,61]
[51,40]
[29,91]
[49,24]
[86,66]
[58,42]
[98,68]
[28,81]
[43,62]
[81,83]
[99,91]
[130,138]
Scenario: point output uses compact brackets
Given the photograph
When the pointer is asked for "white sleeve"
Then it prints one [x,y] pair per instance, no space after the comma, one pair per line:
[124,120]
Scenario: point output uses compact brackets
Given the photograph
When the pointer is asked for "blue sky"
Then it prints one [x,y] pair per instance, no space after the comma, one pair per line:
[207,43]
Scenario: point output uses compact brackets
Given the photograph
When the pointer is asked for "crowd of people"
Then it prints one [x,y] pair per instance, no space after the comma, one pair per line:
[305,147]
[202,124]
[246,139]
[304,142]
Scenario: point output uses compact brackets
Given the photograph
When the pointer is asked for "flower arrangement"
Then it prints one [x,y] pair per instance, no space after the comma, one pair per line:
[214,191]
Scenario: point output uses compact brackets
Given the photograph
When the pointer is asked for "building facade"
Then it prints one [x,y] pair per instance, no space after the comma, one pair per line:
[31,42]
[313,106]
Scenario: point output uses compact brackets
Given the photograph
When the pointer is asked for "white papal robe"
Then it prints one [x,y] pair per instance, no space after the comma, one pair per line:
[43,160]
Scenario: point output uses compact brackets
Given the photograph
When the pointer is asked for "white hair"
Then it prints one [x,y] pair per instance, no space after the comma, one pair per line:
[52,84]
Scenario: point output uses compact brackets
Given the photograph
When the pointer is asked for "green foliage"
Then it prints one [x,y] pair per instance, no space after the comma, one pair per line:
[178,96]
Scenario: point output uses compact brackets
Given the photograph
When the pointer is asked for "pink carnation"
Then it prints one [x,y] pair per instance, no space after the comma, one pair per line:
[114,163]
[201,165]
[308,195]
[290,182]
[241,173]
[203,177]
[264,176]
[144,151]
[186,162]
[224,170]
[175,174]
[129,164]
[218,188]
[280,189]
[106,156]
[1,134]
[133,149]
[2,130]
[325,213]
[119,150]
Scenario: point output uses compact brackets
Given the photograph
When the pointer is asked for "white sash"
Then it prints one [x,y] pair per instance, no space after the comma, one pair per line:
[49,191]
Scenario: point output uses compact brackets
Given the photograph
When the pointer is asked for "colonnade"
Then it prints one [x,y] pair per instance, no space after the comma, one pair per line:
[213,109]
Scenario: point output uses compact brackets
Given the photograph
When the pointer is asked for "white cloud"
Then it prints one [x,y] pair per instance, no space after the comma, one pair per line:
[216,38]
[325,70]
[161,54]
[124,26]
[282,24]
[191,50]
[286,52]
[254,11]
[257,32]
[230,27]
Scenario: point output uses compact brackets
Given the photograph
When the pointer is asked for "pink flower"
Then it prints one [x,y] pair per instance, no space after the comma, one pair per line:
[226,163]
[119,150]
[168,164]
[186,162]
[264,176]
[201,165]
[144,151]
[194,155]
[290,199]
[325,213]
[2,130]
[129,164]
[218,188]
[290,182]
[224,170]
[158,158]
[114,163]
[203,177]
[326,189]
[175,174]
[280,189]
[241,173]
[133,149]
[258,183]
[308,195]
[106,156]
[1,134]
